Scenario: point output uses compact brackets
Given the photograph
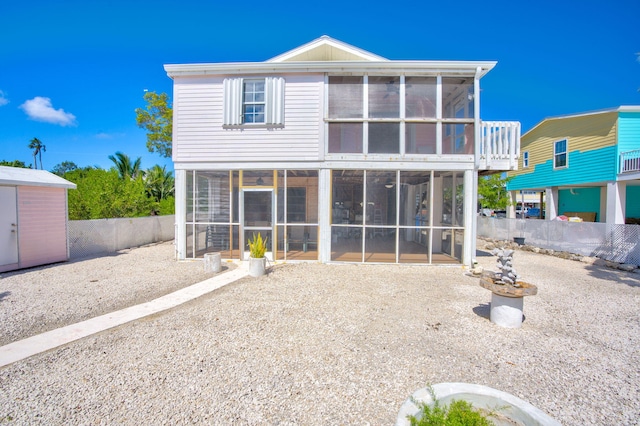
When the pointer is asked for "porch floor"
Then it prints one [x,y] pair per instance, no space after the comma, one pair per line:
[382,251]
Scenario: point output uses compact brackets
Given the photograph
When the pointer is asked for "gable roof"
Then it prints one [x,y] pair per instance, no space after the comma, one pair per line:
[326,55]
[29,177]
[623,108]
[326,49]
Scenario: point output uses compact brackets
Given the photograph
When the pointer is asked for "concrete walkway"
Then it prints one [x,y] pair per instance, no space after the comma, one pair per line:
[30,346]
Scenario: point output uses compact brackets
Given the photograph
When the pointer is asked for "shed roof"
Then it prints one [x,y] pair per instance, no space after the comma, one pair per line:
[29,177]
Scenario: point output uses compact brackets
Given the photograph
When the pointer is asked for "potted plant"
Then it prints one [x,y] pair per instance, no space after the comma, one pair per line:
[497,407]
[257,260]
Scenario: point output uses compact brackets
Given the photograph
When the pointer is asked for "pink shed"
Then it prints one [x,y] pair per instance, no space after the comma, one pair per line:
[33,218]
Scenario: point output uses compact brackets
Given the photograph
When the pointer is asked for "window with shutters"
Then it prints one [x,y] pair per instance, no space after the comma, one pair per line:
[252,101]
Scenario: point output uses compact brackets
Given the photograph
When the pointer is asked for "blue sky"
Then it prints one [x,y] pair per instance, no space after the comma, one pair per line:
[73,72]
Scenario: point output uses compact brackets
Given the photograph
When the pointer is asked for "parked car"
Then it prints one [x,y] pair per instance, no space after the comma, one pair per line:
[519,212]
[501,213]
[534,212]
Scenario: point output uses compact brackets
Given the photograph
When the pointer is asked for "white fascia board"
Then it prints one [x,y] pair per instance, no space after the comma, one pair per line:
[15,176]
[440,164]
[380,67]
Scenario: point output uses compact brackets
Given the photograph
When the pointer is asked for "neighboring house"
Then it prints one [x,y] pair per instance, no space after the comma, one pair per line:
[334,154]
[585,165]
[33,218]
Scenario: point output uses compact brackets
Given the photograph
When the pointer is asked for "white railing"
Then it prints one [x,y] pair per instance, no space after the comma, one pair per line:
[499,145]
[630,161]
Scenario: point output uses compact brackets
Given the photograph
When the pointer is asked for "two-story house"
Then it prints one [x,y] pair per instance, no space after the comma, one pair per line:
[585,165]
[334,154]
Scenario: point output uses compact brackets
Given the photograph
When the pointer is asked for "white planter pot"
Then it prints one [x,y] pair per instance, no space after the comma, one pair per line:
[512,410]
[257,266]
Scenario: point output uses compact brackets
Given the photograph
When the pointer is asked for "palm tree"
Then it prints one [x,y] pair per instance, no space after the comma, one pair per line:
[37,147]
[124,166]
[159,182]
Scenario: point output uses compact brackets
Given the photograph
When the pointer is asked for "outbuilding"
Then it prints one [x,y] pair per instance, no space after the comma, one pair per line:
[33,218]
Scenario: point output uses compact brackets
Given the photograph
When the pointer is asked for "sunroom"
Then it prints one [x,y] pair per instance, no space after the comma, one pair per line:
[385,216]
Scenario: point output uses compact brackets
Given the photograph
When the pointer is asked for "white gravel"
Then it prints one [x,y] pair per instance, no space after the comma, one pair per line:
[320,344]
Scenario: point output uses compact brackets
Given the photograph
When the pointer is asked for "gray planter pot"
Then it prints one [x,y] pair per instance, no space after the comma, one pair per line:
[257,266]
[511,410]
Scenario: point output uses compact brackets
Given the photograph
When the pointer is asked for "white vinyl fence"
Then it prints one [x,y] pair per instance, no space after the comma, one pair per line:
[617,243]
[102,236]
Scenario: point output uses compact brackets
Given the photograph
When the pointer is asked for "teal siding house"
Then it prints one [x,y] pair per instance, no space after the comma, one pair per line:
[585,165]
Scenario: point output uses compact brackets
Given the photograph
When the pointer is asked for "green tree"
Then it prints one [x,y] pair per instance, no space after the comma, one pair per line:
[492,192]
[159,183]
[125,167]
[15,163]
[157,120]
[64,167]
[103,194]
[37,146]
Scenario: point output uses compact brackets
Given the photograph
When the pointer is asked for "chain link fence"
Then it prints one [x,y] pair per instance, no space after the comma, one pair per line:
[617,243]
[102,236]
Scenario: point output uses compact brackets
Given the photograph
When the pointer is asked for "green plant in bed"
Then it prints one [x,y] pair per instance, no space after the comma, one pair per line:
[457,413]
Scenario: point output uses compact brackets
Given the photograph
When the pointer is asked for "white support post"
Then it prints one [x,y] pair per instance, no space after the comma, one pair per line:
[476,117]
[511,209]
[181,206]
[470,216]
[551,195]
[616,194]
[324,215]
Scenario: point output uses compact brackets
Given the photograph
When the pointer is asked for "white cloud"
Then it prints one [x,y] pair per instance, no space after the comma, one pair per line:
[3,99]
[40,109]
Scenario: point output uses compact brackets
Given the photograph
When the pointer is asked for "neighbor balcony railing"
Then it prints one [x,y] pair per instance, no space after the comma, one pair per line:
[630,161]
[500,145]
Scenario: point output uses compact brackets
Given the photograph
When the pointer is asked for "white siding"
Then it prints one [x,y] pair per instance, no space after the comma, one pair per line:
[199,135]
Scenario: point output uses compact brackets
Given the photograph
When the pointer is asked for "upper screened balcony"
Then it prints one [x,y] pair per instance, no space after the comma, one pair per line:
[416,118]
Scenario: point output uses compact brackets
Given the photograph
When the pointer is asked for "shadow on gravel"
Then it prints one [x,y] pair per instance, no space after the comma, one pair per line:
[53,265]
[482,253]
[4,295]
[483,310]
[631,279]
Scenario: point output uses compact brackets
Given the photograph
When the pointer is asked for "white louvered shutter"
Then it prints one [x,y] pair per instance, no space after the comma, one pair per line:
[232,101]
[274,100]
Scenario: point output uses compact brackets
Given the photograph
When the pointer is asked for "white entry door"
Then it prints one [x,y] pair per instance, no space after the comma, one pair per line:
[8,226]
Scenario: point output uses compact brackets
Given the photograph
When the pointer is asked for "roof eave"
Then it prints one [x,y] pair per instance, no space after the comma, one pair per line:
[623,108]
[427,67]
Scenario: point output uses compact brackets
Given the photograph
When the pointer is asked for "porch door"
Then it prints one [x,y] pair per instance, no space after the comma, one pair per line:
[8,226]
[256,216]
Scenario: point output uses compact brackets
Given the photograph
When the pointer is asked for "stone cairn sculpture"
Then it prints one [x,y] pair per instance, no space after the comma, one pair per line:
[506,272]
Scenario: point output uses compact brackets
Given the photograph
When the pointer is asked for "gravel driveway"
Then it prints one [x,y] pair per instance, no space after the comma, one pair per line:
[320,344]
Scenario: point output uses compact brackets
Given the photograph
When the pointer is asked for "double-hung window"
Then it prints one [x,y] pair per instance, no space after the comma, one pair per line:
[525,159]
[253,101]
[560,154]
